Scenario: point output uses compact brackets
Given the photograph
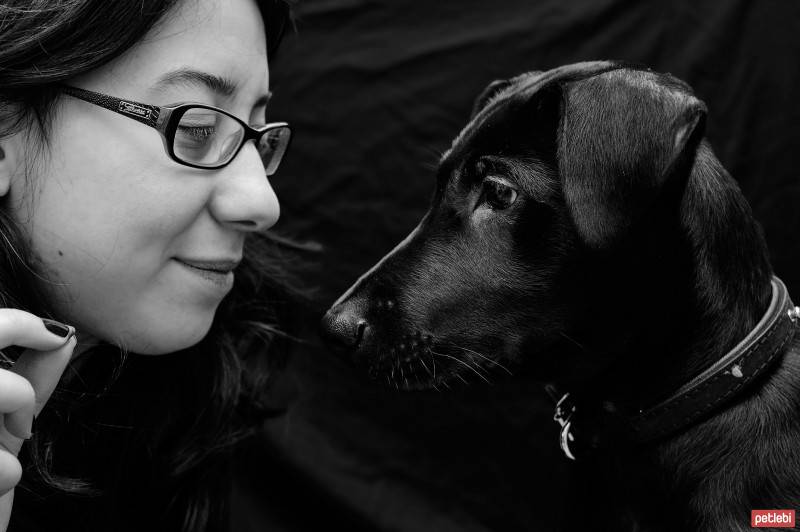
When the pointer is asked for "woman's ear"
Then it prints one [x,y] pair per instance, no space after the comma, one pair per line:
[10,156]
[6,169]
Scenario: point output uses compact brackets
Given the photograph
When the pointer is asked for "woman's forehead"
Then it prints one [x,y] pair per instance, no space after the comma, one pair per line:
[215,39]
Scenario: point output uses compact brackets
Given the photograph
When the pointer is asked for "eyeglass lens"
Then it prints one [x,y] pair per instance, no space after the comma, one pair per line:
[209,138]
[272,146]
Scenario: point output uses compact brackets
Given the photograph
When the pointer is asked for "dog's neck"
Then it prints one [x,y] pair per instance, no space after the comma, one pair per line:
[683,323]
[683,326]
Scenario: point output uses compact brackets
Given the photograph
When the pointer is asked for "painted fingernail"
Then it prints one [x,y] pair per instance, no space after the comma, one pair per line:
[58,328]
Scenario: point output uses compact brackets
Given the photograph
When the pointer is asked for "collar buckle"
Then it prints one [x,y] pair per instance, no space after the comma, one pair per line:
[565,408]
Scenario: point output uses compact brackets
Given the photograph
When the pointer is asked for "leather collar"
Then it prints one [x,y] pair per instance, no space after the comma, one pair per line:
[712,388]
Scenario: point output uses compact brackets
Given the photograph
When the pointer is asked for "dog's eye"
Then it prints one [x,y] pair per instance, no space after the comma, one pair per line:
[497,193]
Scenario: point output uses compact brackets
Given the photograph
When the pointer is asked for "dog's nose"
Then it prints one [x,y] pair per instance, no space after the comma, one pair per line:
[344,327]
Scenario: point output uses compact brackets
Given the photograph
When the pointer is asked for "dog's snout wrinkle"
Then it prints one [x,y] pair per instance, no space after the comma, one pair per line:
[362,281]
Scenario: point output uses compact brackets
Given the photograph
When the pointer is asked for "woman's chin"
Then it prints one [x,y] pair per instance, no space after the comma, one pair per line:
[155,338]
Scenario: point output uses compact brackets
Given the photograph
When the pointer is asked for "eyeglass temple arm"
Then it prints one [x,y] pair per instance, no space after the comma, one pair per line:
[141,112]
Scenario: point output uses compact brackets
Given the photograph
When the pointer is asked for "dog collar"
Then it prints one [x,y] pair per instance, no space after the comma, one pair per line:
[712,388]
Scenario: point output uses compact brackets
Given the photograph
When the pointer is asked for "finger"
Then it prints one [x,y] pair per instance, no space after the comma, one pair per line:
[10,470]
[43,370]
[17,402]
[6,502]
[18,327]
[27,386]
[15,392]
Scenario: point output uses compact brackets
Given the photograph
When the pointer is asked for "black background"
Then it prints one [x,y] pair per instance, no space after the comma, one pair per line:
[375,90]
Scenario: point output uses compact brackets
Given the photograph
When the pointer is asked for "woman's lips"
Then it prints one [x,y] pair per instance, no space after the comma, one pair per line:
[219,273]
[220,266]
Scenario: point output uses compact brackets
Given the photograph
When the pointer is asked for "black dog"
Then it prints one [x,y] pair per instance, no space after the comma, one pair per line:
[582,225]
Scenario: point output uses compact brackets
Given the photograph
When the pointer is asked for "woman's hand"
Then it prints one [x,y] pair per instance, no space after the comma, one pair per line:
[26,387]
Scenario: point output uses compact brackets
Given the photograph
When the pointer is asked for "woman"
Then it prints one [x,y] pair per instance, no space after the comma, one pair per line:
[133,205]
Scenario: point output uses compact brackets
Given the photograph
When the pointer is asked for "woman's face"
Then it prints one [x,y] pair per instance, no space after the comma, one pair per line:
[110,216]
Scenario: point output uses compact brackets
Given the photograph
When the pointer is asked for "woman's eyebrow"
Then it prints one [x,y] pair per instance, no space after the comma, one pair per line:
[185,76]
[221,85]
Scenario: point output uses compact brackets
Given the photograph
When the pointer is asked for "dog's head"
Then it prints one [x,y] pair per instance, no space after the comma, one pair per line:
[532,225]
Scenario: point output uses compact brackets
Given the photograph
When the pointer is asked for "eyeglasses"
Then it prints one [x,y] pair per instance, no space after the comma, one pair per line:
[197,135]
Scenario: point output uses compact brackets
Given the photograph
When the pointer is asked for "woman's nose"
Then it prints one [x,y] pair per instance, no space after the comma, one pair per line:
[244,197]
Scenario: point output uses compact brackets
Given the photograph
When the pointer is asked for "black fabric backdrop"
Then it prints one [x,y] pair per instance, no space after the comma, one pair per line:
[376,90]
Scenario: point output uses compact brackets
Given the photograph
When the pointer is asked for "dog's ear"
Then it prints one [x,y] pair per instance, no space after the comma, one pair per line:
[488,93]
[495,87]
[623,134]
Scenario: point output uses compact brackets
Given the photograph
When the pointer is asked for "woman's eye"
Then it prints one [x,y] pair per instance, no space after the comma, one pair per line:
[497,193]
[200,133]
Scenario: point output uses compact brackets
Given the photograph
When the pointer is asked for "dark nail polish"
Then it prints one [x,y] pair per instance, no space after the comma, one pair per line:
[57,328]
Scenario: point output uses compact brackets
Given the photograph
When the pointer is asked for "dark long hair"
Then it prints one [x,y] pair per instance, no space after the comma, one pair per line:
[120,445]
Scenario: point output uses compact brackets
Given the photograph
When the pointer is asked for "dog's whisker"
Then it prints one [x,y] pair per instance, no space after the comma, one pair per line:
[475,364]
[432,375]
[572,340]
[484,357]
[465,364]
[424,365]
[471,361]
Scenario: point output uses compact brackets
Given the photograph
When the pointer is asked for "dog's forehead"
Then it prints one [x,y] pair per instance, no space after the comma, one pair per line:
[523,87]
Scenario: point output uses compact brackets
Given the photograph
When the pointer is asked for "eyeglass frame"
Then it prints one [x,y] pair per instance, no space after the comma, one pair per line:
[165,120]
